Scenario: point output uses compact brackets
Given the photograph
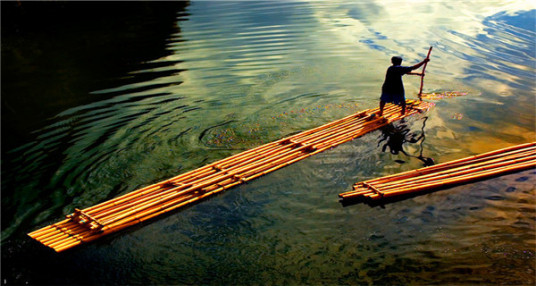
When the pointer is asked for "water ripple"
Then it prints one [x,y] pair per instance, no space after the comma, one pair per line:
[239,74]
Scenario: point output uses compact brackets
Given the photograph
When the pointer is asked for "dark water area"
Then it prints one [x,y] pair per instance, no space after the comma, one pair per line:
[65,50]
[102,98]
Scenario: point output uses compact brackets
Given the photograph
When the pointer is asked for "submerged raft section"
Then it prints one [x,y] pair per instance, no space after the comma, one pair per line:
[460,171]
[146,203]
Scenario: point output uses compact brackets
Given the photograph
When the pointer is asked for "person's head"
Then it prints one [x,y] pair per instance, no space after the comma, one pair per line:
[396,60]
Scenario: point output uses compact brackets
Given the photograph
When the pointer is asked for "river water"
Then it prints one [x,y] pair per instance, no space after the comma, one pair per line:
[97,108]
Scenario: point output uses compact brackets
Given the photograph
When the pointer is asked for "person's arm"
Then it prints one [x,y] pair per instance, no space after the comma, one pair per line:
[418,66]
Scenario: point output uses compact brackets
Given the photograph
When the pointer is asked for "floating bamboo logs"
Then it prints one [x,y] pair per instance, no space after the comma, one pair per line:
[469,169]
[91,223]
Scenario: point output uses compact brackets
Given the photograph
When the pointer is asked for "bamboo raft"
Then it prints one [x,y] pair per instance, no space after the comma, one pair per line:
[146,203]
[455,172]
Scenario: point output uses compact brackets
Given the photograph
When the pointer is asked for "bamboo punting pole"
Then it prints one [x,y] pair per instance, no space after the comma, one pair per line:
[454,172]
[194,185]
[423,74]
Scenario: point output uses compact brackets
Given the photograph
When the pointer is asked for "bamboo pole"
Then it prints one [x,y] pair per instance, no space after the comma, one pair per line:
[168,196]
[416,179]
[191,175]
[195,173]
[446,177]
[190,189]
[465,179]
[432,176]
[436,175]
[462,173]
[197,184]
[53,231]
[461,170]
[462,161]
[145,206]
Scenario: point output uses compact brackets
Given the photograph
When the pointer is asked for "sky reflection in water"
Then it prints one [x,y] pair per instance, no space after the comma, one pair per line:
[252,72]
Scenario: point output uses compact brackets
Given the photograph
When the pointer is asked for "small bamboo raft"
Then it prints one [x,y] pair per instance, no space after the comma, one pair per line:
[456,172]
[146,203]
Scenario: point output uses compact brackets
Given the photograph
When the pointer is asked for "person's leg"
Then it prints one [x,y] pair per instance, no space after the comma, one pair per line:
[382,104]
[403,107]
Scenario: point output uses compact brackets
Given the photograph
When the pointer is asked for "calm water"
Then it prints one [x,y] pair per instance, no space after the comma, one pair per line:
[98,108]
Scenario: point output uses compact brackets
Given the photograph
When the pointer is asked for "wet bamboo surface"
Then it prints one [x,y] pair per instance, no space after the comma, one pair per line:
[470,169]
[146,203]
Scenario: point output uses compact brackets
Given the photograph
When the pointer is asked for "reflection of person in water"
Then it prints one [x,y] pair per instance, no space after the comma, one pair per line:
[396,136]
[393,88]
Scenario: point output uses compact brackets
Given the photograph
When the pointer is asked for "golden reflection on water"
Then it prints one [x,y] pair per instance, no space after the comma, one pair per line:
[243,73]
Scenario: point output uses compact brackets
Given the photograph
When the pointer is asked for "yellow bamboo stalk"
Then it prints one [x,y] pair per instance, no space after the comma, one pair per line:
[516,154]
[431,176]
[38,232]
[487,170]
[462,174]
[52,232]
[360,119]
[123,207]
[397,178]
[168,196]
[450,163]
[144,206]
[191,175]
[158,198]
[463,179]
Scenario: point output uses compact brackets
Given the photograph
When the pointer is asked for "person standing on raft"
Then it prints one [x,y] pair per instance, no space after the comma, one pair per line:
[393,88]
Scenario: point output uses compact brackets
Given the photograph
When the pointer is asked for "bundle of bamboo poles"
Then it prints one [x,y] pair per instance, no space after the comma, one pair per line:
[460,171]
[148,202]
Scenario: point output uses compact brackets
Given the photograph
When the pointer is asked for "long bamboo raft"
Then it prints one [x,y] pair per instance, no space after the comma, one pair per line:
[146,203]
[469,169]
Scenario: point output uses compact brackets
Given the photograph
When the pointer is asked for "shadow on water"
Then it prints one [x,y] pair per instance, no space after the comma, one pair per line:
[395,136]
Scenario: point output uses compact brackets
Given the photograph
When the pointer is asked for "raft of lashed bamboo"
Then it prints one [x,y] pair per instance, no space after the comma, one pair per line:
[456,172]
[141,205]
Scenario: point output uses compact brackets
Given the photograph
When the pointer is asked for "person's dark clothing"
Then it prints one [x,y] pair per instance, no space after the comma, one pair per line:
[393,88]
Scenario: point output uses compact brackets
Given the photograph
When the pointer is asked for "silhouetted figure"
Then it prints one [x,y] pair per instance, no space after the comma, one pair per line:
[393,88]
